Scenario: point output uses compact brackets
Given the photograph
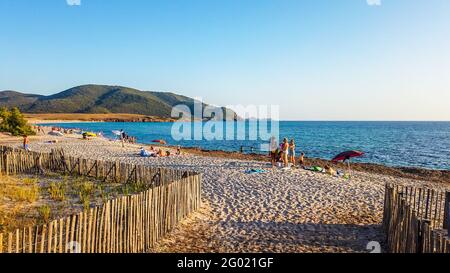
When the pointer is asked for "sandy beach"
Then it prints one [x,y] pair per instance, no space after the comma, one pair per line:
[277,211]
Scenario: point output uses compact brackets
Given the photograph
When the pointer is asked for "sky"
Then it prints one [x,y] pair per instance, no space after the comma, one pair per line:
[316,59]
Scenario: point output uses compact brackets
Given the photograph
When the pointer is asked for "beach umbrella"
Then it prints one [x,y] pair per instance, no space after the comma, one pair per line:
[346,156]
[160,141]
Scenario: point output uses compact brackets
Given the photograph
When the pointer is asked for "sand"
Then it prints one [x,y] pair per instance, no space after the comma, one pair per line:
[277,211]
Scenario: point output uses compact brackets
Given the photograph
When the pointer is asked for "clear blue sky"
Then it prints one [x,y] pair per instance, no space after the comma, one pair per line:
[311,57]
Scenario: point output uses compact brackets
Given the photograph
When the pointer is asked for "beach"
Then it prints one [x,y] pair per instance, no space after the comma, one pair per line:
[277,211]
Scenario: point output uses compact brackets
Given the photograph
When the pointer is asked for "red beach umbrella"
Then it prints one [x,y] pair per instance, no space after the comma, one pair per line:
[347,155]
[160,141]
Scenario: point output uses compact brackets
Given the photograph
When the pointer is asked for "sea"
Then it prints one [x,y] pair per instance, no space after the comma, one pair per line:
[397,144]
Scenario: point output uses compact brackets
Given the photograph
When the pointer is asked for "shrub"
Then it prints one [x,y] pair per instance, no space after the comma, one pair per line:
[57,191]
[13,121]
[85,190]
[45,212]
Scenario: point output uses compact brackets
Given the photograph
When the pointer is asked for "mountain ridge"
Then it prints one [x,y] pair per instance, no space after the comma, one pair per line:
[101,99]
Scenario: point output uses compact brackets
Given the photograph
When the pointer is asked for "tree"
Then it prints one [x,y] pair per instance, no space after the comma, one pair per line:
[14,122]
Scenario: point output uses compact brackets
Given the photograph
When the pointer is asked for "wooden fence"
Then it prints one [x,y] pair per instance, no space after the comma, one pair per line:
[416,220]
[128,224]
[17,161]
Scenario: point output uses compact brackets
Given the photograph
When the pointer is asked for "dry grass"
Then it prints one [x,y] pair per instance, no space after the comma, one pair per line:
[27,200]
[20,191]
[57,191]
[91,117]
[45,213]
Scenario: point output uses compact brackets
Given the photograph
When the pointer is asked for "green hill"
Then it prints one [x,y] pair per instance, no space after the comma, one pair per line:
[99,99]
[13,98]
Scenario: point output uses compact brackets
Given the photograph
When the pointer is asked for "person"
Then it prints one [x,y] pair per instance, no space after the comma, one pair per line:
[273,151]
[301,160]
[330,171]
[285,150]
[178,150]
[292,152]
[145,153]
[26,143]
[122,138]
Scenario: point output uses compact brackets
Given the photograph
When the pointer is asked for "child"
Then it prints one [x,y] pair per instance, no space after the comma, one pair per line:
[301,160]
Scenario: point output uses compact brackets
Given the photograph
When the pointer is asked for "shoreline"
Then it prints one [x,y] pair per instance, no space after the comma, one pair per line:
[415,173]
[432,175]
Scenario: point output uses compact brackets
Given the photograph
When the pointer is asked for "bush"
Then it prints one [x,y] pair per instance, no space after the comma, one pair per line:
[57,191]
[13,121]
[45,213]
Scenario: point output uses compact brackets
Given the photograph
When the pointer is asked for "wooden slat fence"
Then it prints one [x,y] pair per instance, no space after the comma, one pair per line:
[415,220]
[127,224]
[16,161]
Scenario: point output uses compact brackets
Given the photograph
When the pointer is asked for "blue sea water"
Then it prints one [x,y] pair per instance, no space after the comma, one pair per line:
[408,144]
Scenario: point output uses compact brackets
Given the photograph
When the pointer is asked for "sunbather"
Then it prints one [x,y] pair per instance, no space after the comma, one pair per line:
[145,153]
[330,171]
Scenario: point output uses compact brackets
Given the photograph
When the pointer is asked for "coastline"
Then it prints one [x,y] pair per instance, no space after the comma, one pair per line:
[416,173]
[401,172]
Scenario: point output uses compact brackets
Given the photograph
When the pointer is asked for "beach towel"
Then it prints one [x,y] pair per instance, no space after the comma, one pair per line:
[55,133]
[255,171]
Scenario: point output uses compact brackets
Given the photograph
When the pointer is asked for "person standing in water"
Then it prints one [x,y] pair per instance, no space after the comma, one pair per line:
[292,152]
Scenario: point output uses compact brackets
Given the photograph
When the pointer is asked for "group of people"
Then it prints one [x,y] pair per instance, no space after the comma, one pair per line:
[125,138]
[285,153]
[157,152]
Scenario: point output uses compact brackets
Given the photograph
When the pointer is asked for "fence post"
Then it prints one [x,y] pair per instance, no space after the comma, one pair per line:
[447,211]
[419,237]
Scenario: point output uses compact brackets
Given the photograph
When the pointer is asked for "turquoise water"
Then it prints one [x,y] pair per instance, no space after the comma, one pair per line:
[409,144]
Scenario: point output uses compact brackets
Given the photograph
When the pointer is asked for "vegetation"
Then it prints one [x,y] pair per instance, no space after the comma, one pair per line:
[98,117]
[29,200]
[45,212]
[13,121]
[19,193]
[57,191]
[86,191]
